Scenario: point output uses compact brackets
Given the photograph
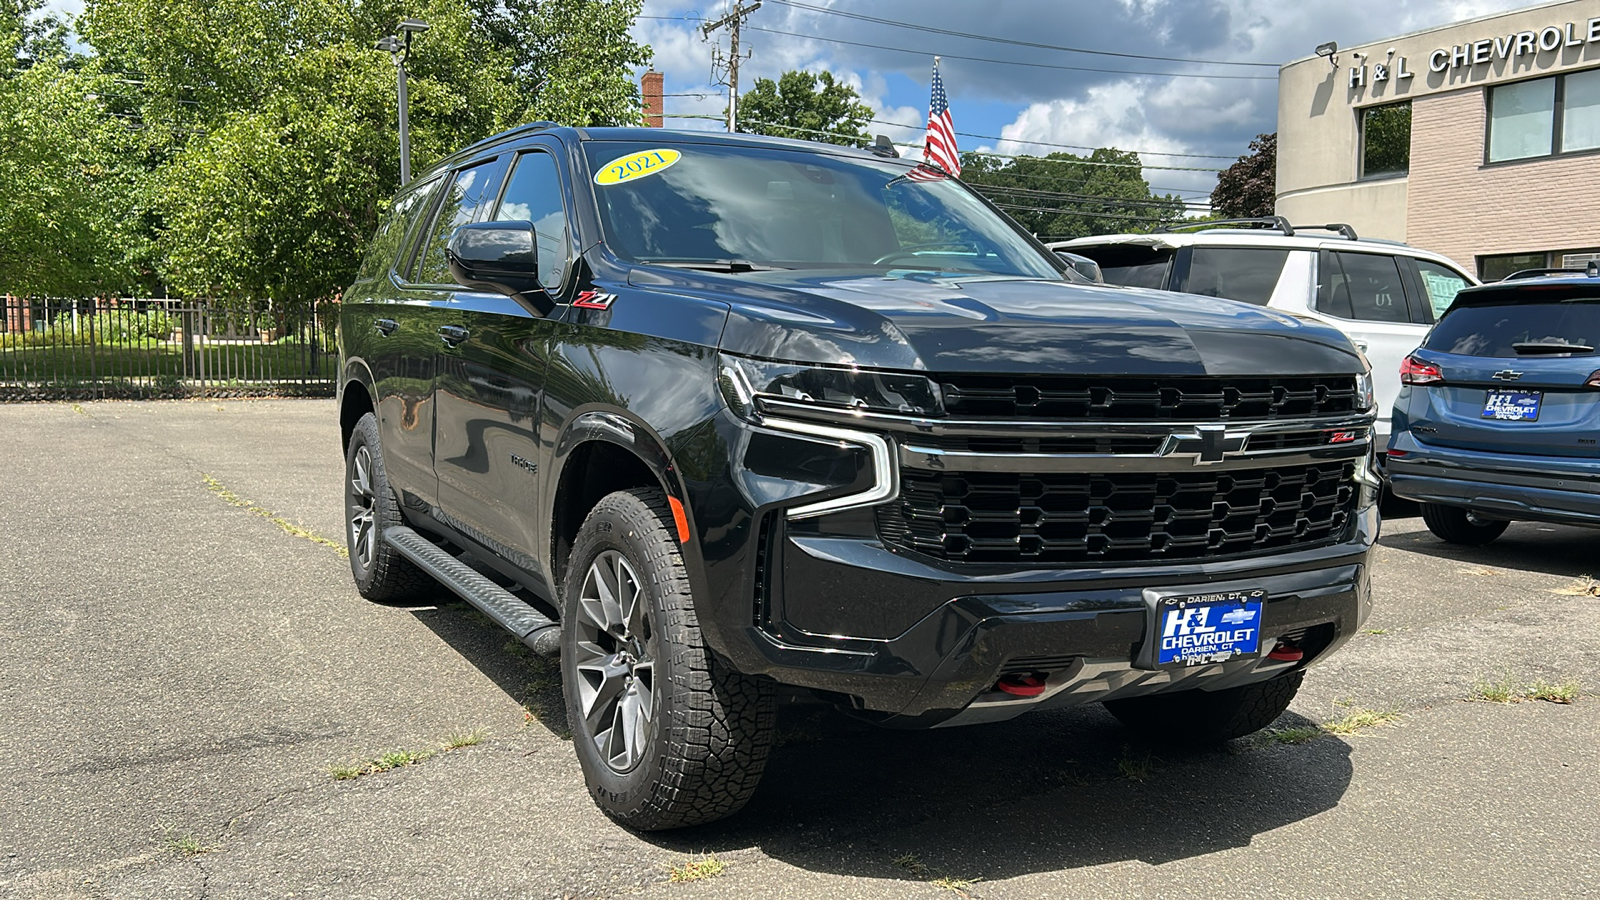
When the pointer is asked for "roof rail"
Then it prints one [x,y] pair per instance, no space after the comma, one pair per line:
[1278,223]
[1593,271]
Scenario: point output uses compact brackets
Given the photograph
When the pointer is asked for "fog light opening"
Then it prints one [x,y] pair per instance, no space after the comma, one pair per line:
[1030,685]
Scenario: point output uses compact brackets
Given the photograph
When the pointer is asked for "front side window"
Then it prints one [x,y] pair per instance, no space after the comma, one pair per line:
[711,205]
[467,190]
[1442,285]
[1236,273]
[1386,140]
[1365,287]
[1522,120]
[534,195]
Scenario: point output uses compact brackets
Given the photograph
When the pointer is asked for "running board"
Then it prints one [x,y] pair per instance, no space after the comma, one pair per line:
[506,609]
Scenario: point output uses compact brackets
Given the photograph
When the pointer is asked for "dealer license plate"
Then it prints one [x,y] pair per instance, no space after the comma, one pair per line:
[1195,629]
[1513,406]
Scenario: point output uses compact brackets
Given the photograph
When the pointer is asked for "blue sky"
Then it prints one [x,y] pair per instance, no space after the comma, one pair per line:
[1191,111]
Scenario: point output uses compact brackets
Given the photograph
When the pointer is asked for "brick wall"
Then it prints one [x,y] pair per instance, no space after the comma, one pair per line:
[1458,207]
[650,90]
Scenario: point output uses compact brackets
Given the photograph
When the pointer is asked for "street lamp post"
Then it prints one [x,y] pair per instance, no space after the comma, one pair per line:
[401,50]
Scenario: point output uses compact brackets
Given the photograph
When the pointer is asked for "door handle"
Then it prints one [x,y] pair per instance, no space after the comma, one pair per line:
[385,327]
[452,334]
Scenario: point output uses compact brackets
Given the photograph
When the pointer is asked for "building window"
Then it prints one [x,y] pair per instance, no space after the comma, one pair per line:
[1496,268]
[1386,140]
[1543,117]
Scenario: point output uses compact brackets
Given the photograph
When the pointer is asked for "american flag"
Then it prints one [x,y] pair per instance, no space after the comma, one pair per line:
[940,147]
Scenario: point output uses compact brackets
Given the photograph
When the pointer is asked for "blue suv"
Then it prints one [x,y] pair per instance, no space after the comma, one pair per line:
[1498,416]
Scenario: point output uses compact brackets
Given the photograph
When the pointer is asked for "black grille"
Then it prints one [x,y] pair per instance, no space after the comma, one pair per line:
[1067,518]
[1182,399]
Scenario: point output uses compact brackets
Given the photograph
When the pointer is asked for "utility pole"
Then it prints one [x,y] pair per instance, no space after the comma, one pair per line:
[732,20]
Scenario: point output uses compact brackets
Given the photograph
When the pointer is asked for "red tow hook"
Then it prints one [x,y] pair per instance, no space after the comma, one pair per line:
[1021,685]
[1286,653]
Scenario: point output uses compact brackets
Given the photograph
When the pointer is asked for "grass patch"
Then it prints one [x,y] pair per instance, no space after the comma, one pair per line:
[918,869]
[696,869]
[1583,586]
[1133,767]
[184,844]
[1374,631]
[1508,689]
[1359,720]
[911,863]
[398,759]
[290,528]
[957,886]
[1294,734]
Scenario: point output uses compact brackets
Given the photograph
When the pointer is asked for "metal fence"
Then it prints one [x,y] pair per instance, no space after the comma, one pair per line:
[137,348]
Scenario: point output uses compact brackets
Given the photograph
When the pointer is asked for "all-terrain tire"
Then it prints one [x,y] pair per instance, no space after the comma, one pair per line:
[712,727]
[1457,526]
[370,507]
[1208,717]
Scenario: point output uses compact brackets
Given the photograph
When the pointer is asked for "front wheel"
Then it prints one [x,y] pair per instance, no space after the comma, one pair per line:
[666,734]
[1460,526]
[381,573]
[1208,717]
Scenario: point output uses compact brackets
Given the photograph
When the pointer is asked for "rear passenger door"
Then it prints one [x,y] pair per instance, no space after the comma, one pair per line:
[1370,298]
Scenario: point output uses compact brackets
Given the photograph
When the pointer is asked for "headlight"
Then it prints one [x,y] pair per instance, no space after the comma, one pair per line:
[746,382]
[1365,399]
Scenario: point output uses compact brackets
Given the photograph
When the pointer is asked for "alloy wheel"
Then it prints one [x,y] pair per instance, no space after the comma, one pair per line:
[363,537]
[614,662]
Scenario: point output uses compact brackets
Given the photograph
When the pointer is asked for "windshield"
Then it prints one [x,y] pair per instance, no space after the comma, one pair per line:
[771,207]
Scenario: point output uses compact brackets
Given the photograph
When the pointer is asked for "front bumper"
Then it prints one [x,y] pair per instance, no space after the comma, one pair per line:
[1503,485]
[1081,629]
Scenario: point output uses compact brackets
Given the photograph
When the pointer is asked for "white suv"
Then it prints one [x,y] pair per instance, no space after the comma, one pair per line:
[1383,295]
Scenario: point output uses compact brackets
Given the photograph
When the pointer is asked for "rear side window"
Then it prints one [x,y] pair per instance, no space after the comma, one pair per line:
[1130,265]
[1497,330]
[1441,284]
[1235,273]
[468,187]
[392,231]
[1364,287]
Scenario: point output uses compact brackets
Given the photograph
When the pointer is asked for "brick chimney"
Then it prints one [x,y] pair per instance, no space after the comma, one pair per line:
[650,88]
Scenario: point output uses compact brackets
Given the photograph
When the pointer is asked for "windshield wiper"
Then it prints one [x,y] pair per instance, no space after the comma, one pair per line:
[713,265]
[1533,347]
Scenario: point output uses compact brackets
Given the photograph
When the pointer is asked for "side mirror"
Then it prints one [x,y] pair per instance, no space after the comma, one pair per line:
[495,256]
[1084,266]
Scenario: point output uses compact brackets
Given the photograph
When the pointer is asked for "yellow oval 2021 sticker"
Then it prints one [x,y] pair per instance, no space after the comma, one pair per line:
[639,165]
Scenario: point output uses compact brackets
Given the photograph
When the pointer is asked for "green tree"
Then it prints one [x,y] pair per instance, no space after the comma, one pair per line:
[269,125]
[64,223]
[809,106]
[1064,195]
[1249,188]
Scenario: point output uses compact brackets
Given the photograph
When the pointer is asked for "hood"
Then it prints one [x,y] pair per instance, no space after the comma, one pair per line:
[985,324]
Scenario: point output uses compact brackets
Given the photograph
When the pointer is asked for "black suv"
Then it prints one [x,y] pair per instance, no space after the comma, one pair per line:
[722,418]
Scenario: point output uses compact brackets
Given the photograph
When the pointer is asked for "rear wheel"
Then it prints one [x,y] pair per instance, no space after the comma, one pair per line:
[1208,717]
[1461,526]
[380,572]
[666,734]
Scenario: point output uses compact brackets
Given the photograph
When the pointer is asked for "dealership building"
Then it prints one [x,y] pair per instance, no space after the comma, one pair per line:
[1479,140]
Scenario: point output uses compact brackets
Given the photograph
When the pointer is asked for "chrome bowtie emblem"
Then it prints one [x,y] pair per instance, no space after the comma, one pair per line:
[1208,443]
[1508,375]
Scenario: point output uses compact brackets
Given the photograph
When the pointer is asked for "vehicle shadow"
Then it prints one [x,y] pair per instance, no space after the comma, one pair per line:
[1526,546]
[1051,791]
[1054,790]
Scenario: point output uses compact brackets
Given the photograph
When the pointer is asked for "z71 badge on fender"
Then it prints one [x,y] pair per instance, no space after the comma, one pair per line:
[594,300]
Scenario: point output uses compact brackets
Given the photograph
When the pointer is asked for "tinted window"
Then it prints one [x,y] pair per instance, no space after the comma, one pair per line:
[1494,268]
[1441,284]
[705,203]
[1386,140]
[467,189]
[1235,273]
[392,231]
[1365,287]
[534,195]
[1495,330]
[1130,264]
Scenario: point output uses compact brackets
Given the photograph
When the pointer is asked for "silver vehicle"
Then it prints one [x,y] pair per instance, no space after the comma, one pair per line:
[1383,295]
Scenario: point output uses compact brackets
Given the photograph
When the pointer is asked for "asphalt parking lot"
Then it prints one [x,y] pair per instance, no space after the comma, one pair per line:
[184,664]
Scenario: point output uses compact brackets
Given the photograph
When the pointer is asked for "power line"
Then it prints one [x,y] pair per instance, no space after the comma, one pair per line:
[1028,193]
[1016,43]
[1087,215]
[1011,62]
[990,137]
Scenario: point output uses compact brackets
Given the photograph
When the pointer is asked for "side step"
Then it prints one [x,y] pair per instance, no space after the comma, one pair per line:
[506,609]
